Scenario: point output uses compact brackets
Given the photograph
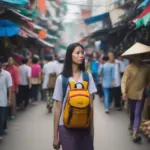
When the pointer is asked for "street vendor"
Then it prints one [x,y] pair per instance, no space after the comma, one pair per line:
[134,83]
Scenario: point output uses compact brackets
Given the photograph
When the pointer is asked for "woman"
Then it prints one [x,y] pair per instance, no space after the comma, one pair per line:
[107,72]
[135,81]
[35,78]
[72,139]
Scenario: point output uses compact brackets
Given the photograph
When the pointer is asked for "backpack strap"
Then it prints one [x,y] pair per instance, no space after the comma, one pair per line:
[65,83]
[85,76]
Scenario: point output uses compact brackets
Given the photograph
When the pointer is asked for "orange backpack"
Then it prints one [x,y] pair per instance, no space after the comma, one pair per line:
[77,111]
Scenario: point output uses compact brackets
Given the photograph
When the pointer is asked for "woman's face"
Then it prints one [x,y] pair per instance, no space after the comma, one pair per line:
[94,57]
[111,57]
[78,55]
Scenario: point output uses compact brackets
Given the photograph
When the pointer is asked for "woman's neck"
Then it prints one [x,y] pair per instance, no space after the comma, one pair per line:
[75,69]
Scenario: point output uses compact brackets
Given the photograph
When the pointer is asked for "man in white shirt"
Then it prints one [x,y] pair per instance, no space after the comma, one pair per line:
[48,68]
[25,83]
[5,100]
[123,64]
[116,90]
[59,66]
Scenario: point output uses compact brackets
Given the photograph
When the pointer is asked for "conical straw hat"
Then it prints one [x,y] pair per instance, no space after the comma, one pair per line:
[137,48]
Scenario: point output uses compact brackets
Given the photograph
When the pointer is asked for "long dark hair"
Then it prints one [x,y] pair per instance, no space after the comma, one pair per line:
[67,71]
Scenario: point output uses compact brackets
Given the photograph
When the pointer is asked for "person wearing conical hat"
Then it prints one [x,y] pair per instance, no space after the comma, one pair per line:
[134,82]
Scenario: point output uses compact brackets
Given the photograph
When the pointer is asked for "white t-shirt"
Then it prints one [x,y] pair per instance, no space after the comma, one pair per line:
[25,74]
[58,68]
[47,70]
[58,92]
[117,74]
[5,83]
[123,65]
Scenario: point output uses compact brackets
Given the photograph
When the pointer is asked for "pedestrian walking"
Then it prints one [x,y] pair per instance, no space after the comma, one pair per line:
[48,84]
[35,78]
[116,90]
[107,72]
[123,64]
[94,65]
[59,65]
[25,84]
[13,70]
[135,80]
[5,97]
[73,116]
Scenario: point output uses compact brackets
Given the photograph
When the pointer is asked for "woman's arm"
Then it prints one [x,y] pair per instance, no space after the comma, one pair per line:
[124,82]
[57,113]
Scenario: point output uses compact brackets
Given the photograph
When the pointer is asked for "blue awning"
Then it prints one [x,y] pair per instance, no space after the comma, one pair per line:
[8,28]
[96,18]
[144,4]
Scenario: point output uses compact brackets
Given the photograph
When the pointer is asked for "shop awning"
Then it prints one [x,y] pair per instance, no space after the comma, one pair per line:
[21,15]
[45,43]
[29,13]
[51,37]
[8,28]
[112,35]
[30,33]
[97,18]
[37,27]
[15,2]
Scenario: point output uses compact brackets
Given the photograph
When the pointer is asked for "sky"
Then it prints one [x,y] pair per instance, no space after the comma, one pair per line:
[73,10]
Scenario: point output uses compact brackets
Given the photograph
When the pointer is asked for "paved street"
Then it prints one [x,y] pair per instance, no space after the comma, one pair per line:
[32,130]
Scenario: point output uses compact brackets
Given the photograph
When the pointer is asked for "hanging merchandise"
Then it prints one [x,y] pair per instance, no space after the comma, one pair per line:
[8,28]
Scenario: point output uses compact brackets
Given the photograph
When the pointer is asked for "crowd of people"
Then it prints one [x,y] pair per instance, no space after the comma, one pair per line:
[24,81]
[107,72]
[71,83]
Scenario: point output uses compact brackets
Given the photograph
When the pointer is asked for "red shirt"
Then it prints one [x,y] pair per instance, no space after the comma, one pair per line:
[13,70]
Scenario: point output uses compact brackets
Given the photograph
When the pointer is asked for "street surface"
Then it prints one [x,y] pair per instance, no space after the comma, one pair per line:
[32,130]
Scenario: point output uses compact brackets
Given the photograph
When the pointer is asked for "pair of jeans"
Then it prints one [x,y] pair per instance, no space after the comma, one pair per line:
[35,91]
[106,97]
[136,107]
[3,119]
[23,95]
[100,90]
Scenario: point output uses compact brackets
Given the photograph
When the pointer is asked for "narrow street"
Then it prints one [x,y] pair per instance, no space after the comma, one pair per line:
[32,130]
